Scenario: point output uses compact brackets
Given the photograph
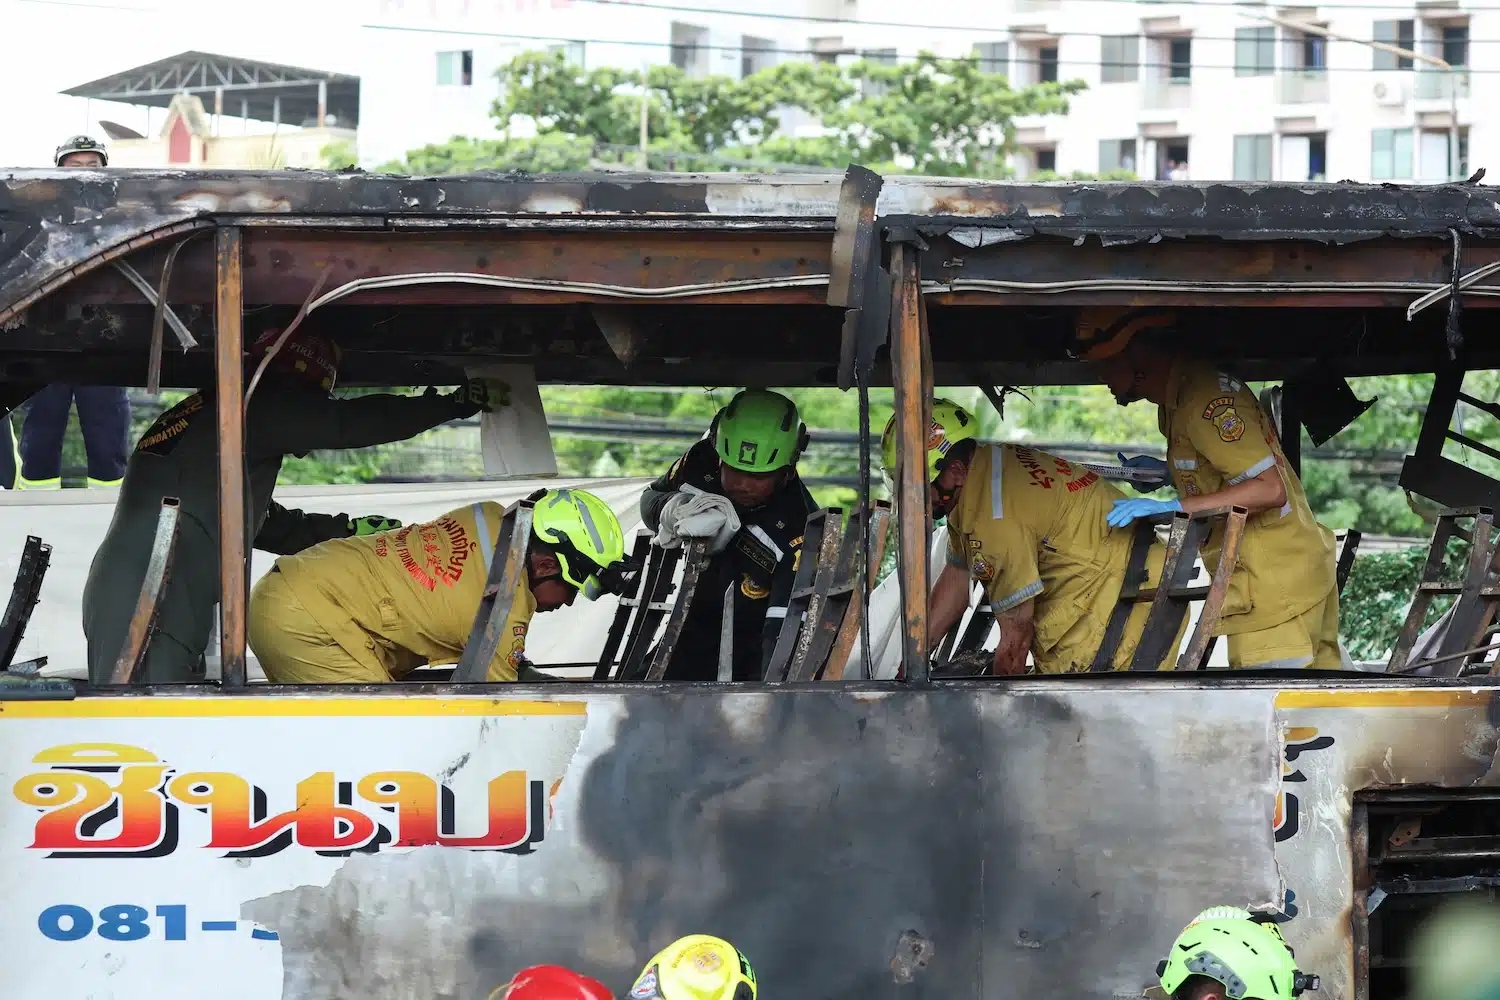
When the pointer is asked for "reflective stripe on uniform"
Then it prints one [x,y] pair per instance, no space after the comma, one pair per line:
[105,482]
[22,483]
[1021,596]
[776,612]
[1263,465]
[482,529]
[997,482]
[759,533]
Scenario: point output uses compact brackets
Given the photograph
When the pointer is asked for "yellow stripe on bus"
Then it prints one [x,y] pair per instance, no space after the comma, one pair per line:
[218,707]
[1384,699]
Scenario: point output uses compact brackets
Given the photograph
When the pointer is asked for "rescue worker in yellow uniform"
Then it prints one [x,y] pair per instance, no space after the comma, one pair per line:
[1282,609]
[373,608]
[1029,527]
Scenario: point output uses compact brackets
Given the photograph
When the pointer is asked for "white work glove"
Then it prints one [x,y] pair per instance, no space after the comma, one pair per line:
[693,513]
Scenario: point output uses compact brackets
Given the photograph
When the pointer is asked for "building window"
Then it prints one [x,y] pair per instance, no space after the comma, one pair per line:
[1390,154]
[1314,52]
[1252,157]
[455,69]
[756,54]
[1046,161]
[994,57]
[1037,62]
[572,52]
[1119,58]
[1254,51]
[1456,44]
[828,49]
[1401,34]
[689,48]
[1046,64]
[880,57]
[1116,154]
[1180,59]
[1303,158]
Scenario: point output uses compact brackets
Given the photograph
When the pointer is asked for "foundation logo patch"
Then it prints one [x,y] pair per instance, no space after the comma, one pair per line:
[1226,419]
[753,590]
[747,452]
[982,567]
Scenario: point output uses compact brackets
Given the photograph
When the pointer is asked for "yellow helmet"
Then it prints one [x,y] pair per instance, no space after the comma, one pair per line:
[951,424]
[697,967]
[1104,331]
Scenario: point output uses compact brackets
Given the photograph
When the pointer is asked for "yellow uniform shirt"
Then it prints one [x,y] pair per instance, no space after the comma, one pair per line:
[408,597]
[1031,526]
[1217,437]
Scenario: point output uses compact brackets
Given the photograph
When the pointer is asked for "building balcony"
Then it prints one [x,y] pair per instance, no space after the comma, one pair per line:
[1435,84]
[1305,86]
[1164,92]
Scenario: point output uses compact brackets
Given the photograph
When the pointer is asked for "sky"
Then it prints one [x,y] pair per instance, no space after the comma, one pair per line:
[52,45]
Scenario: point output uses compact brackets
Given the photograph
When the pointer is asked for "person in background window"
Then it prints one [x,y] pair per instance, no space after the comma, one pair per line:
[103,410]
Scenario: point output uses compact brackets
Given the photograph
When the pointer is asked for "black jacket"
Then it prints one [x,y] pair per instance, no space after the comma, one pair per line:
[759,563]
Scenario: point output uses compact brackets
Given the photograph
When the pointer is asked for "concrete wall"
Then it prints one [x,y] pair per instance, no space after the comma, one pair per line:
[292,148]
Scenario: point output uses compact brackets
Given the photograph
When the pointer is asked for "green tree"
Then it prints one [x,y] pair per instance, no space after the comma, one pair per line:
[460,155]
[931,116]
[339,155]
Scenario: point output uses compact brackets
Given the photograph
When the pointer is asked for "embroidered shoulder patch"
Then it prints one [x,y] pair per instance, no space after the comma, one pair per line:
[982,567]
[1226,419]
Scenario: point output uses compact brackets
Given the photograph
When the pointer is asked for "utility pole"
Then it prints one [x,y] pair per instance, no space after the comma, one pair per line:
[1449,68]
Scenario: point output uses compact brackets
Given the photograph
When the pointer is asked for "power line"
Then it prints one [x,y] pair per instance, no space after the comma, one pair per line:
[641,43]
[816,19]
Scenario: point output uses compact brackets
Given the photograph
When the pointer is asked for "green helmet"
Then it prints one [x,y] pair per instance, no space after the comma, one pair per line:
[759,432]
[585,534]
[951,424]
[1250,959]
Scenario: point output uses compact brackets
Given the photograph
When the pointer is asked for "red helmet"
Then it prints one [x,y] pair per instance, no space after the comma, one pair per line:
[305,356]
[551,982]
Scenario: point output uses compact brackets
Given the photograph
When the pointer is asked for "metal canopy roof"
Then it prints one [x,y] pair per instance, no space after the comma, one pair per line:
[257,84]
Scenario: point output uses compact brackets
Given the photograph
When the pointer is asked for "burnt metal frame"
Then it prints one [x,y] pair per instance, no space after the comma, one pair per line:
[36,556]
[153,585]
[507,571]
[694,560]
[1009,211]
[1477,597]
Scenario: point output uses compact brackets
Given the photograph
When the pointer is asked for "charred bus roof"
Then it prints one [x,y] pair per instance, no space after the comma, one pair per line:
[646,278]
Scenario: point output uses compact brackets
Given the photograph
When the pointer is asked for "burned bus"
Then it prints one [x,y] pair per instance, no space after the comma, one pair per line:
[855,834]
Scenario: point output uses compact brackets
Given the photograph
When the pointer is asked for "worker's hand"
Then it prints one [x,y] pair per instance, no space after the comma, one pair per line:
[478,395]
[1148,464]
[708,515]
[1125,511]
[372,524]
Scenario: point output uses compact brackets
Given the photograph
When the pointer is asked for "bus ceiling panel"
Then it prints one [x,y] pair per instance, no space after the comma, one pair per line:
[282,266]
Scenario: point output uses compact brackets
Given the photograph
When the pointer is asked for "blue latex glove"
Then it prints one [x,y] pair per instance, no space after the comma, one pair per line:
[1155,465]
[1125,511]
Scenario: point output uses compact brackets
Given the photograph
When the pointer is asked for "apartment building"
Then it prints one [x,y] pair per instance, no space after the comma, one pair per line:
[1191,90]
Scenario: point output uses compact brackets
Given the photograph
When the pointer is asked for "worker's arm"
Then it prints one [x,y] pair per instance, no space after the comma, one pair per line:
[1263,492]
[1017,626]
[297,422]
[288,531]
[697,461]
[947,602]
[1226,426]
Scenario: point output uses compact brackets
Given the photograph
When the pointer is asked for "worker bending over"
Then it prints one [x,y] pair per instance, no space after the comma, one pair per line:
[739,487]
[1282,608]
[370,610]
[1227,953]
[290,413]
[1029,528]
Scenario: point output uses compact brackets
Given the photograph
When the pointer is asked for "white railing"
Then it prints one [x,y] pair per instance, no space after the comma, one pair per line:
[1164,92]
[1435,84]
[1306,86]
